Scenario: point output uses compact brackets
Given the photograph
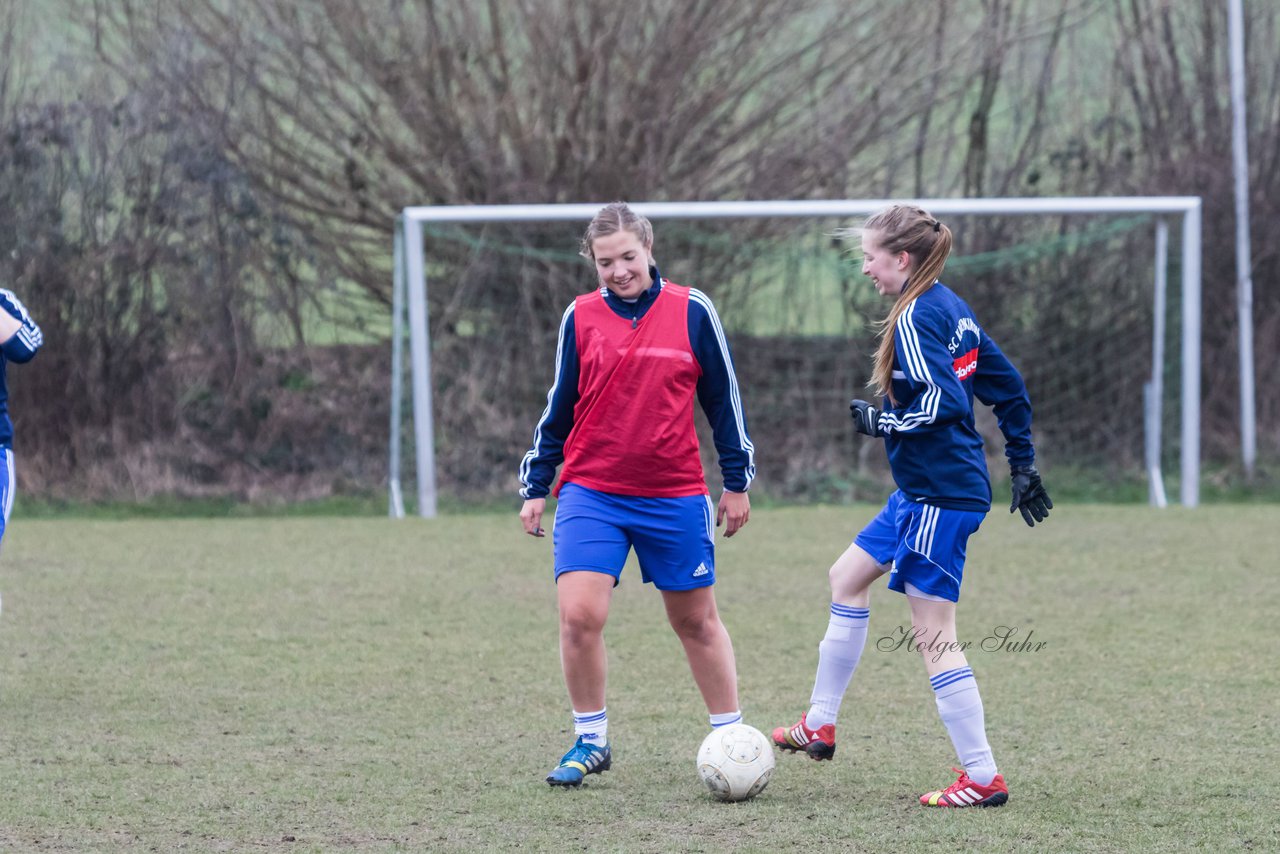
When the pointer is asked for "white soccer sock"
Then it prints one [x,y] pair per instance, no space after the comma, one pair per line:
[592,727]
[960,707]
[725,719]
[838,656]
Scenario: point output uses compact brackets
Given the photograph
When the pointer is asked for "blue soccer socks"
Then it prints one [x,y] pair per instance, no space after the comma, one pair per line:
[960,707]
[838,656]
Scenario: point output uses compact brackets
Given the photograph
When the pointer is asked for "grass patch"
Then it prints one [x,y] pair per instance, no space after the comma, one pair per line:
[296,684]
[178,507]
[1067,484]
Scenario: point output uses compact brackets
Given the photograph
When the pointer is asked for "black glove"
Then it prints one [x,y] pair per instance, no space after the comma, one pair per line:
[866,418]
[1029,495]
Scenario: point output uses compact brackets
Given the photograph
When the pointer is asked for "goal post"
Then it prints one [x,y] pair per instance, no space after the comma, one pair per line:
[410,298]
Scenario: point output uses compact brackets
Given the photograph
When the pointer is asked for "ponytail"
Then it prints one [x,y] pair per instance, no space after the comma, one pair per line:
[906,228]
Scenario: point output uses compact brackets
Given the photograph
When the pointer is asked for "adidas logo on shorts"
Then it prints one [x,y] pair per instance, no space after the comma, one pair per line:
[701,570]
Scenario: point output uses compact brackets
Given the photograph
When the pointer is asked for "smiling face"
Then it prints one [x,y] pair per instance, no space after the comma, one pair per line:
[888,272]
[622,263]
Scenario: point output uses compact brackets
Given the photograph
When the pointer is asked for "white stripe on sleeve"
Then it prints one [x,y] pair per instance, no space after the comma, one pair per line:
[735,398]
[534,451]
[916,367]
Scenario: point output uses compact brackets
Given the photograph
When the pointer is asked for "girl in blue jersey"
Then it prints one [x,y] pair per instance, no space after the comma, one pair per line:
[631,357]
[20,337]
[933,359]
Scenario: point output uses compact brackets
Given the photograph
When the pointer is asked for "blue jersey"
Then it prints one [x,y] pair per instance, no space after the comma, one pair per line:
[717,392]
[20,347]
[942,360]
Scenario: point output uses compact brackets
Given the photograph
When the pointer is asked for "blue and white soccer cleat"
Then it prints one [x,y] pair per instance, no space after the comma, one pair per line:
[582,759]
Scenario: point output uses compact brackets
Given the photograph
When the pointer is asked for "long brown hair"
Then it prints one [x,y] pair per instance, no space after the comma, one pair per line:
[906,228]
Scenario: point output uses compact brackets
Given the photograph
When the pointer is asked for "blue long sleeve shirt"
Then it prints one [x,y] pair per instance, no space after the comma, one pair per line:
[20,347]
[942,361]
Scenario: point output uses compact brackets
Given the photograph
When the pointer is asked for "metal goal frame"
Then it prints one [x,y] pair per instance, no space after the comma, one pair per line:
[410,292]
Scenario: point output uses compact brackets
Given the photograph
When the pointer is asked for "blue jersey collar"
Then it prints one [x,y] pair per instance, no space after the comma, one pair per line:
[643,301]
[633,311]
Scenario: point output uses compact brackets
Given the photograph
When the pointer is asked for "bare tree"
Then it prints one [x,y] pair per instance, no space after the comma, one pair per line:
[236,167]
[347,111]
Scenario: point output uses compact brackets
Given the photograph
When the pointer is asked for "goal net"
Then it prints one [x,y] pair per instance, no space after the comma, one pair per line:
[1074,294]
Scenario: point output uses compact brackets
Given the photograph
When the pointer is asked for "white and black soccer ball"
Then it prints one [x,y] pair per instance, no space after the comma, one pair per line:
[735,762]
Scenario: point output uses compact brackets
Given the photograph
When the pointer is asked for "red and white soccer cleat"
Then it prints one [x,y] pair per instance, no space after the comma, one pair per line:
[966,793]
[819,744]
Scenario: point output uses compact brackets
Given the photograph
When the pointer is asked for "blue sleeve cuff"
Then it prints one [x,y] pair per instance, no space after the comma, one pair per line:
[19,347]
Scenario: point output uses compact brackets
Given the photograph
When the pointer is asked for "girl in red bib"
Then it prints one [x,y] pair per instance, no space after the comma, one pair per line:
[631,357]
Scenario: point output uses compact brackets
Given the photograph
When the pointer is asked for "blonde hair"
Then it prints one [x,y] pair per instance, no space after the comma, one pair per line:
[906,228]
[612,218]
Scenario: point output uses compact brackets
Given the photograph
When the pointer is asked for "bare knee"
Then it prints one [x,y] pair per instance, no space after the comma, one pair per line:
[851,577]
[580,624]
[845,588]
[701,626]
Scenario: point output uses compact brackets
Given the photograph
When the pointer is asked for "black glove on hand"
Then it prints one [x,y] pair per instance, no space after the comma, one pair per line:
[866,418]
[1029,495]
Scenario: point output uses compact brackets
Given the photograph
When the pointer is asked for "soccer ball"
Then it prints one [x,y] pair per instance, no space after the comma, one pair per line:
[735,762]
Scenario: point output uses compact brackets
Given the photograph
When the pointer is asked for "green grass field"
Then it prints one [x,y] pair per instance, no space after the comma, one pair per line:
[316,684]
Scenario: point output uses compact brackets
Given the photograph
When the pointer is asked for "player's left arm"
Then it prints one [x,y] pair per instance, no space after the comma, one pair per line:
[998,384]
[721,400]
[20,337]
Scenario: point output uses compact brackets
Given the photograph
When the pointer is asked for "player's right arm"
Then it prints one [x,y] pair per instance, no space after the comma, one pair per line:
[20,337]
[921,349]
[538,468]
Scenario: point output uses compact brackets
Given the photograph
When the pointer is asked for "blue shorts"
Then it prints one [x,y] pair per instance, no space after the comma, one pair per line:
[673,537]
[6,488]
[925,543]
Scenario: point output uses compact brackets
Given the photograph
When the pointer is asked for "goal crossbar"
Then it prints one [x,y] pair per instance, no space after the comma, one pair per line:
[410,292]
